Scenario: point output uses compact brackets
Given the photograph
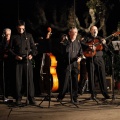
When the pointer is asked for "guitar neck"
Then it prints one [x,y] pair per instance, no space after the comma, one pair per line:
[108,37]
[114,34]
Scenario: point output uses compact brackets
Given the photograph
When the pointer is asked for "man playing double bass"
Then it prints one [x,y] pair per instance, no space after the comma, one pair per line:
[93,47]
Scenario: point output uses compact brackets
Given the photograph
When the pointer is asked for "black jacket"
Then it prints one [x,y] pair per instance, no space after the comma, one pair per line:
[23,44]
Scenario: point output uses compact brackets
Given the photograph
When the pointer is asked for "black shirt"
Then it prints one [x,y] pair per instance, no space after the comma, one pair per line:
[23,44]
[74,50]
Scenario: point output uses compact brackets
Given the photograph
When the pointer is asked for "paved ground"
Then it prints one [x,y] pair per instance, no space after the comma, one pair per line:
[85,110]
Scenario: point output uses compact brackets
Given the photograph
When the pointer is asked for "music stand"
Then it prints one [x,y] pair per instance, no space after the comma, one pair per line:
[116,46]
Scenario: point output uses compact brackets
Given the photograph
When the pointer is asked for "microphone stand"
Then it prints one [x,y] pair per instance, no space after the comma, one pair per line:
[27,102]
[113,85]
[113,95]
[49,95]
[3,83]
[28,62]
[3,70]
[70,80]
[27,54]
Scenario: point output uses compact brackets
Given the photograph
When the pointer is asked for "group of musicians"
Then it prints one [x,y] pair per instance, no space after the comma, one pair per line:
[74,55]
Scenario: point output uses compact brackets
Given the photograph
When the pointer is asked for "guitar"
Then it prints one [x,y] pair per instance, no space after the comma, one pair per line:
[99,46]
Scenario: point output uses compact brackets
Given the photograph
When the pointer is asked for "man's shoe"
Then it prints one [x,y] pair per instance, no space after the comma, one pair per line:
[75,101]
[32,102]
[107,97]
[59,100]
[19,103]
[93,96]
[47,98]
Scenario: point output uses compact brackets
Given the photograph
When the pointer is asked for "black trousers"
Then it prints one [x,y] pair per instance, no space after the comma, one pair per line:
[24,74]
[7,78]
[71,76]
[96,70]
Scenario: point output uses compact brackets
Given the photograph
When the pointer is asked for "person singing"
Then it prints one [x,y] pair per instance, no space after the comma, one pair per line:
[93,47]
[73,55]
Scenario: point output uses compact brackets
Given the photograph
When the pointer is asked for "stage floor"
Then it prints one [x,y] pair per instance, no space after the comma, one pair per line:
[65,110]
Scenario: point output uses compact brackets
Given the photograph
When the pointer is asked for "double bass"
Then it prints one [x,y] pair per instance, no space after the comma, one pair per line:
[50,63]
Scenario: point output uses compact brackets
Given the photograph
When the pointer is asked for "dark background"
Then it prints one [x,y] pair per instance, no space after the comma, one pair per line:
[12,10]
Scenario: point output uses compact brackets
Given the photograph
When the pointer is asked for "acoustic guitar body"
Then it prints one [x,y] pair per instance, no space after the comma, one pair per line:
[89,53]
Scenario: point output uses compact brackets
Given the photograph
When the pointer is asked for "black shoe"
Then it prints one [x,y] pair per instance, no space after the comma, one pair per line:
[80,92]
[75,101]
[32,102]
[93,96]
[59,100]
[19,103]
[47,98]
[107,97]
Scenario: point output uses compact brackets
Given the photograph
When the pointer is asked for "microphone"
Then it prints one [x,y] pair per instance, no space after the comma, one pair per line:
[64,39]
[95,34]
[3,35]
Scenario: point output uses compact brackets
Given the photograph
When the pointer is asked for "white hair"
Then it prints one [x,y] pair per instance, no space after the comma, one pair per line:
[6,29]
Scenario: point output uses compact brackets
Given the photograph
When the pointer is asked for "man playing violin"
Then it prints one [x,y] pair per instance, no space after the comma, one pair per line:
[93,47]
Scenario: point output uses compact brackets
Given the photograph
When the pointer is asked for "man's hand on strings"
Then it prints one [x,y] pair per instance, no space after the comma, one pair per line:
[92,47]
[103,41]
